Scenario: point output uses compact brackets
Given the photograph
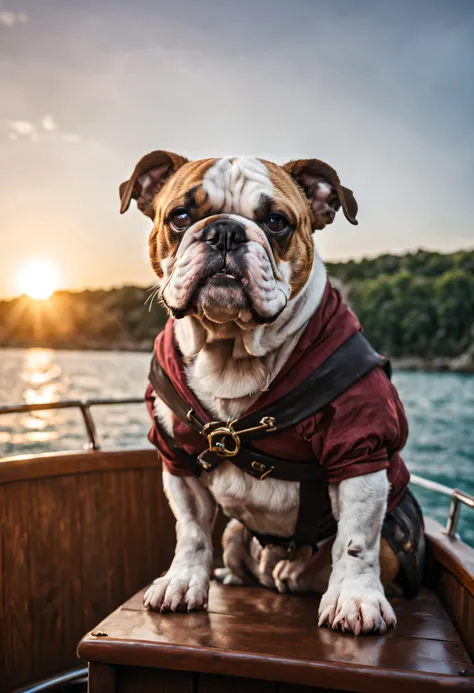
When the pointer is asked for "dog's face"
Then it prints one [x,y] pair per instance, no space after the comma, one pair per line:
[232,238]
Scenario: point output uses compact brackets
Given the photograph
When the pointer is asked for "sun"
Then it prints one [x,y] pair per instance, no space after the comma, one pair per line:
[38,278]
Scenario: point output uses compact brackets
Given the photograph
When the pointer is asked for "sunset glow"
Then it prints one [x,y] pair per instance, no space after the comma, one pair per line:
[38,279]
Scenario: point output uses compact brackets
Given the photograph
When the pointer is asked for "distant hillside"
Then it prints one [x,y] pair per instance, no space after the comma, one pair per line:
[114,319]
[417,308]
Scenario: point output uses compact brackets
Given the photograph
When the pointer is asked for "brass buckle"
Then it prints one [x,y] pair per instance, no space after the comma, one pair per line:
[262,469]
[206,463]
[267,422]
[217,440]
[224,441]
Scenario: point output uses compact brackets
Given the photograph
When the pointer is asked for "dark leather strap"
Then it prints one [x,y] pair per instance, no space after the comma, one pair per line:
[342,369]
[249,459]
[403,529]
[189,461]
[165,390]
[354,359]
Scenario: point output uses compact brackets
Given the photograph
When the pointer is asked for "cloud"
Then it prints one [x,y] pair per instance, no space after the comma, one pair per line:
[47,129]
[49,123]
[22,129]
[10,19]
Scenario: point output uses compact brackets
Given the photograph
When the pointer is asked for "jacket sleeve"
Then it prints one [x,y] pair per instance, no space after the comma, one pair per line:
[362,430]
[171,462]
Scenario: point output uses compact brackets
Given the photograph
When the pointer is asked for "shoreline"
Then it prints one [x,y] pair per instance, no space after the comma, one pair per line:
[415,364]
[462,364]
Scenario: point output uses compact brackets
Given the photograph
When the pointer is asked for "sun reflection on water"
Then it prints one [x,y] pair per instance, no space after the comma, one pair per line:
[41,377]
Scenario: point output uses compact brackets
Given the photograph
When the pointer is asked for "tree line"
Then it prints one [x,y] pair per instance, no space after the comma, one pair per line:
[417,304]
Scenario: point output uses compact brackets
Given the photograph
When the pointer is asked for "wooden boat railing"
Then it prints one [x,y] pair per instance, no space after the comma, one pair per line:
[83,405]
[457,496]
[81,531]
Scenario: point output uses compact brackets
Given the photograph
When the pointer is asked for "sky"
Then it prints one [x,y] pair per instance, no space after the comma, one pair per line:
[383,91]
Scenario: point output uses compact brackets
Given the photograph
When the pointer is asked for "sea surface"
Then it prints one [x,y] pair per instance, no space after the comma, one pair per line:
[440,409]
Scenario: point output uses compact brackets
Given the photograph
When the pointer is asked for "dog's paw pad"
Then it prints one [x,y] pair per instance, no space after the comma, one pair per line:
[368,611]
[183,591]
[227,577]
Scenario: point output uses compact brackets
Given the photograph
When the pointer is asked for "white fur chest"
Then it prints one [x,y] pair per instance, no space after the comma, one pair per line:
[227,371]
[269,506]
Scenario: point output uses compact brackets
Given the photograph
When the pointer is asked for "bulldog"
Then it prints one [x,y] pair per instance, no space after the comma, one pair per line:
[252,314]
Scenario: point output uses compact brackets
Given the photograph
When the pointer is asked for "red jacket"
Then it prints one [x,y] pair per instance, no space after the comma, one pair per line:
[361,431]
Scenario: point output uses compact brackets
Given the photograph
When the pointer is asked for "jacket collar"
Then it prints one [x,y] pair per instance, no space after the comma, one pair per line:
[331,325]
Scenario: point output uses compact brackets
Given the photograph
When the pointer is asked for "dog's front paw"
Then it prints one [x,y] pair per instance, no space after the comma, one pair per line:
[289,575]
[184,589]
[356,609]
[227,577]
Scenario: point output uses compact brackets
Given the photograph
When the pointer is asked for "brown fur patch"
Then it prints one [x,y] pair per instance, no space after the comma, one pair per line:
[389,564]
[289,199]
[183,185]
[163,242]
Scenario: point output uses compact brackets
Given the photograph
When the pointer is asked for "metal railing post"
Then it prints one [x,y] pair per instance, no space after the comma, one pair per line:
[453,517]
[84,407]
[90,426]
[457,498]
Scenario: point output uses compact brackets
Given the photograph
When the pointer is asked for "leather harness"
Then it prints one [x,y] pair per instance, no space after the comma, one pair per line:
[232,441]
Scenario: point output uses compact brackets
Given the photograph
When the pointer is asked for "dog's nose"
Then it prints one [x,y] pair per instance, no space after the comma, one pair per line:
[225,234]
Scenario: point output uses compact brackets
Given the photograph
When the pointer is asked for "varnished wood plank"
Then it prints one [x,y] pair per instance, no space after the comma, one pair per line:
[140,680]
[276,638]
[148,524]
[46,576]
[147,639]
[209,683]
[96,545]
[292,688]
[72,586]
[452,554]
[423,618]
[102,678]
[460,606]
[16,624]
[134,520]
[23,467]
[63,554]
[112,523]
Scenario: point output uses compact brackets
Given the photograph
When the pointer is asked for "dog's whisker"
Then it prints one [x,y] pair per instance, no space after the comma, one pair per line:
[155,291]
[151,290]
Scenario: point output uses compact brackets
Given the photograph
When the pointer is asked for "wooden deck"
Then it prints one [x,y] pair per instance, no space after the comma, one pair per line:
[252,638]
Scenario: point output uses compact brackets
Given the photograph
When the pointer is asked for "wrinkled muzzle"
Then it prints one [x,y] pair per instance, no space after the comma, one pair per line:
[225,270]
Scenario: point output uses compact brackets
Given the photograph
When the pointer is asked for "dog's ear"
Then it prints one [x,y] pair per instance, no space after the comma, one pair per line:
[322,187]
[149,176]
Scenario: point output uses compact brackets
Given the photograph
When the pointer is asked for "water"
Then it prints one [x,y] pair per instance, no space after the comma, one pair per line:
[440,409]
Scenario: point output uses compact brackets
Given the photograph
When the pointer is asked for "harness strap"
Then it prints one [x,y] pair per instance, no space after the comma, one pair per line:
[354,359]
[256,463]
[348,364]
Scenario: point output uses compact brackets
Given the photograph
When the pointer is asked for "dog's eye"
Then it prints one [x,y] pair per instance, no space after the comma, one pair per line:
[180,219]
[277,223]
